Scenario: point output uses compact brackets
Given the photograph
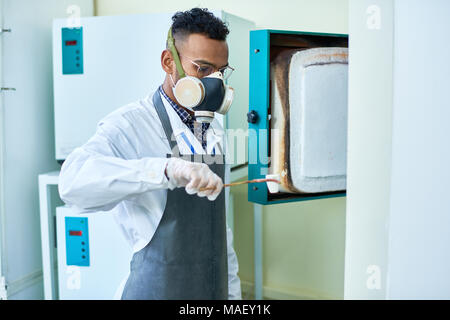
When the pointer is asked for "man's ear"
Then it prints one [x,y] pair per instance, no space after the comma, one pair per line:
[167,61]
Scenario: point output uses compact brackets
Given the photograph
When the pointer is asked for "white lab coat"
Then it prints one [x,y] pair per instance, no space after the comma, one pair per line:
[121,170]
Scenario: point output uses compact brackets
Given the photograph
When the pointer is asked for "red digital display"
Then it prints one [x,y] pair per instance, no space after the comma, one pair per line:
[75,233]
[71,43]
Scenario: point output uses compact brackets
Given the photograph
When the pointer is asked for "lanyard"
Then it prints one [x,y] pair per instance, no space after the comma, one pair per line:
[191,146]
[188,142]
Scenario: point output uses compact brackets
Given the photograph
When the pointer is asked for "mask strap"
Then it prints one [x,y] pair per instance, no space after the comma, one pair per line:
[173,83]
[176,58]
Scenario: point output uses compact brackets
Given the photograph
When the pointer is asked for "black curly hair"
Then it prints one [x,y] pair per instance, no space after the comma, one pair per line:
[198,20]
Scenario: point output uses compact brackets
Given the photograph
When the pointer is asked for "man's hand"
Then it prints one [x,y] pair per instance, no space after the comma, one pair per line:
[193,176]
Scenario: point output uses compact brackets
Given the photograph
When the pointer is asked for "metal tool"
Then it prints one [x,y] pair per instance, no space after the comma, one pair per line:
[244,182]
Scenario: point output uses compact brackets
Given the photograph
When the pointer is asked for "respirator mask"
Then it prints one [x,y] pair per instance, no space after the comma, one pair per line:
[204,95]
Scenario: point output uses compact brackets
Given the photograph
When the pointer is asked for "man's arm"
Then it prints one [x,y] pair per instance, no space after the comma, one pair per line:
[96,177]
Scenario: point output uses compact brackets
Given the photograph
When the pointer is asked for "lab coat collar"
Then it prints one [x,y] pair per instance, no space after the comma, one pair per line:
[214,134]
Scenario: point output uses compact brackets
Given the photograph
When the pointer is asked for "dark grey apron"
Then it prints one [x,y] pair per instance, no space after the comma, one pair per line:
[187,257]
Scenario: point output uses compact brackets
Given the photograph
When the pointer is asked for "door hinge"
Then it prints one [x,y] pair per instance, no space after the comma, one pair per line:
[5,30]
[7,89]
[3,289]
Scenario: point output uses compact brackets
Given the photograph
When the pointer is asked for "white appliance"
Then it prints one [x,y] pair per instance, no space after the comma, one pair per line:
[26,135]
[93,256]
[107,62]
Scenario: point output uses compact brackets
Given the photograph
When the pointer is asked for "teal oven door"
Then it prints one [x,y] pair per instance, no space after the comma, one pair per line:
[265,45]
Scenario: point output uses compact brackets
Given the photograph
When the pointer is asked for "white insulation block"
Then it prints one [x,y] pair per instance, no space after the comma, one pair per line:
[309,119]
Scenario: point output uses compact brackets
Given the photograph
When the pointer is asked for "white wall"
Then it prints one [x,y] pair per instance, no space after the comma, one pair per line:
[307,15]
[369,150]
[2,216]
[419,222]
[398,212]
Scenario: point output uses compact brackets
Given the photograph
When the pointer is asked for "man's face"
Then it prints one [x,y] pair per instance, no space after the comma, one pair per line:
[200,55]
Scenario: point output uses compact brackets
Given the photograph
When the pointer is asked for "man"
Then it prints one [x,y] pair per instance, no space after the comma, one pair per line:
[171,210]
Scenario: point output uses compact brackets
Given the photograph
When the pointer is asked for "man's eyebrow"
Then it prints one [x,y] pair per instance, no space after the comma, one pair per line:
[209,63]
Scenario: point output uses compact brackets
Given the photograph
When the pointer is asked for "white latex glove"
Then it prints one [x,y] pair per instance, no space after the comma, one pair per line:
[193,176]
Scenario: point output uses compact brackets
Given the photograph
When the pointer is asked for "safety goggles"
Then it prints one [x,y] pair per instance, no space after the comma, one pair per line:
[206,70]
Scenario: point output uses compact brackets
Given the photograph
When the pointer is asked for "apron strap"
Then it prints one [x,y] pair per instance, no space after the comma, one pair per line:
[164,118]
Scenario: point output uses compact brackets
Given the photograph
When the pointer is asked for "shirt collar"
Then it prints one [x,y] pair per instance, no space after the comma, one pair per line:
[183,114]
